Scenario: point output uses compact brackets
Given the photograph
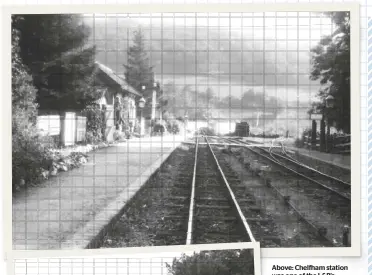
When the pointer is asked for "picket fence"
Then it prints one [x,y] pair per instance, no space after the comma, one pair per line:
[69,127]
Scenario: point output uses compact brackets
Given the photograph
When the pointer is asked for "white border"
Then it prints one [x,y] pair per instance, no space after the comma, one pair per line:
[137,253]
[355,250]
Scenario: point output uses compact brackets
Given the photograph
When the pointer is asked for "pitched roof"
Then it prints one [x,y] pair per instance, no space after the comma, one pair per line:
[118,79]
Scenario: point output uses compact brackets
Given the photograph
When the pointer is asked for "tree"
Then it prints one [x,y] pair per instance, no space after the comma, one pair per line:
[331,66]
[29,153]
[52,46]
[23,91]
[138,71]
[218,262]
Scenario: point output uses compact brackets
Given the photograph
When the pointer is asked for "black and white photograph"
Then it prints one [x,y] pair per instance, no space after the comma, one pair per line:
[182,128]
[243,261]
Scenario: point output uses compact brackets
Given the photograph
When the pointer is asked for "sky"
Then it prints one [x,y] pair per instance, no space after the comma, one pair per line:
[277,62]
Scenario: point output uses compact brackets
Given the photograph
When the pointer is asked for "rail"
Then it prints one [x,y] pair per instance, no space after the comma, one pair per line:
[295,172]
[232,196]
[312,226]
[296,162]
[192,198]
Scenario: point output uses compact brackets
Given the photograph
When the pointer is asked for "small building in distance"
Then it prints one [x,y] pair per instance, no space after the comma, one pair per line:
[242,129]
[119,99]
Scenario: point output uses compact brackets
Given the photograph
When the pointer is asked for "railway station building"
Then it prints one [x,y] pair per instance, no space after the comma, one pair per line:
[119,100]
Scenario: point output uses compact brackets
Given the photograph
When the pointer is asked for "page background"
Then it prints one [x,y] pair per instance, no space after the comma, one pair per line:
[356,265]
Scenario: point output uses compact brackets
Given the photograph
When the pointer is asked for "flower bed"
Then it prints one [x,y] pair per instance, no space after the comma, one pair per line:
[63,160]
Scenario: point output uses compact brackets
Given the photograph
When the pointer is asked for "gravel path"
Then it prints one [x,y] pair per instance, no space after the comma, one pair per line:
[45,215]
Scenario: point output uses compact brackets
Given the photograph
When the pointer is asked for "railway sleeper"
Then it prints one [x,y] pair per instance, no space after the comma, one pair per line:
[253,208]
[178,190]
[184,179]
[231,176]
[182,185]
[238,188]
[245,200]
[216,218]
[173,205]
[259,220]
[217,235]
[200,175]
[210,186]
[186,175]
[212,199]
[179,198]
[165,233]
[204,206]
[175,217]
[234,181]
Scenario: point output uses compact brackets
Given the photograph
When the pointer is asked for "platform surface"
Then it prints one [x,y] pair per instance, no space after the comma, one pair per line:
[342,161]
[49,214]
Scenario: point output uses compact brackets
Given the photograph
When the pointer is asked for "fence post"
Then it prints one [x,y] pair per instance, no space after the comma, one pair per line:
[328,139]
[322,135]
[76,128]
[62,128]
[104,124]
[313,135]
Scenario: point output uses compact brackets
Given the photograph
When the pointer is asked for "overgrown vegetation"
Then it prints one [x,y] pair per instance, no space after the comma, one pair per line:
[331,66]
[29,154]
[139,73]
[206,131]
[53,48]
[173,126]
[217,262]
[51,70]
[96,124]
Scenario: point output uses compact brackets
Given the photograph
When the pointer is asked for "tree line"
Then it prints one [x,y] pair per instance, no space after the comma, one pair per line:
[331,67]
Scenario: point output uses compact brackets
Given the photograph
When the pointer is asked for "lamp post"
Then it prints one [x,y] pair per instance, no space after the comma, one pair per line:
[153,110]
[329,104]
[141,105]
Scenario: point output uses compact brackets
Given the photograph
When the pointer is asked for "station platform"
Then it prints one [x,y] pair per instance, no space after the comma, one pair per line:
[332,159]
[68,210]
[342,161]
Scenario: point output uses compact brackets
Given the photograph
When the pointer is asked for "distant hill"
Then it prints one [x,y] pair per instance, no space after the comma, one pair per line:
[183,50]
[188,61]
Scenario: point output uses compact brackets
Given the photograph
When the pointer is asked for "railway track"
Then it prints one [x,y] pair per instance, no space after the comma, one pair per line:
[332,184]
[332,201]
[222,209]
[200,196]
[208,211]
[214,214]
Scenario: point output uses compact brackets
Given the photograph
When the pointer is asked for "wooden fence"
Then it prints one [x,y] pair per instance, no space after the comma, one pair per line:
[69,128]
[335,144]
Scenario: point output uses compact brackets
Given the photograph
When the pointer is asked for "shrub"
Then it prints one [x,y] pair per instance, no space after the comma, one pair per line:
[214,262]
[30,151]
[173,127]
[159,128]
[96,124]
[93,137]
[119,135]
[207,131]
[299,142]
[30,155]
